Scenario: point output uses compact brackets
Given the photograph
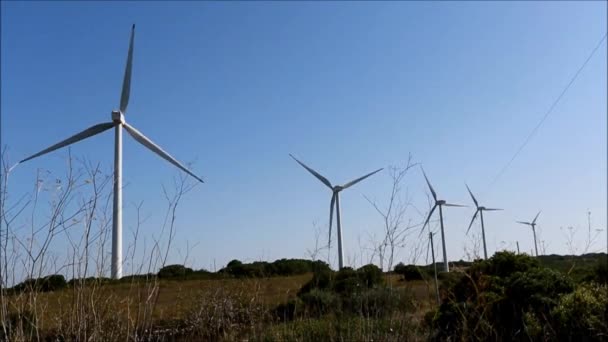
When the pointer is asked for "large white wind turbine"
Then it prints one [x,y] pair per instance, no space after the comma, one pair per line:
[118,122]
[479,210]
[335,201]
[533,225]
[439,203]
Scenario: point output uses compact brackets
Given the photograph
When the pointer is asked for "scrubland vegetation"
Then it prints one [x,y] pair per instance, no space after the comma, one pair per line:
[508,297]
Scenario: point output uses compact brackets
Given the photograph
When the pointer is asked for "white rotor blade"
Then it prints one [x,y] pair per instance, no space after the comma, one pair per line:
[314,173]
[428,218]
[472,220]
[429,184]
[89,132]
[534,221]
[492,209]
[142,139]
[455,205]
[331,217]
[353,182]
[126,82]
[473,197]
[526,223]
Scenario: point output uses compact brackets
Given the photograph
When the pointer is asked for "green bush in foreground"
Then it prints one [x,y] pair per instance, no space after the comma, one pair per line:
[512,297]
[359,292]
[583,312]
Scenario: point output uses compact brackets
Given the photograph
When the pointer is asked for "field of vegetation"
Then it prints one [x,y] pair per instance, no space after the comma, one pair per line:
[508,297]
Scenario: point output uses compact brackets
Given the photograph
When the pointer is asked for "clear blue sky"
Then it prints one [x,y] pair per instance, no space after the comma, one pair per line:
[346,87]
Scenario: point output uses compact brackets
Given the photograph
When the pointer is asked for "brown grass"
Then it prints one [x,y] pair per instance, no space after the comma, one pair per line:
[176,299]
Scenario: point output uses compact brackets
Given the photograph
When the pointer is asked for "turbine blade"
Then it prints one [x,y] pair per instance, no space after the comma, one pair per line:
[89,132]
[492,209]
[455,205]
[534,221]
[126,82]
[526,223]
[353,182]
[472,220]
[331,217]
[428,218]
[314,173]
[473,197]
[429,184]
[142,139]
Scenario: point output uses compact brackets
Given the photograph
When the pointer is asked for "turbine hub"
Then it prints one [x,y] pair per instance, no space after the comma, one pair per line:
[482,208]
[337,188]
[118,117]
[440,202]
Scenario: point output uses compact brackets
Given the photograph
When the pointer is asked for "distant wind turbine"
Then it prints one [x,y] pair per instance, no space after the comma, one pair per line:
[118,122]
[480,211]
[533,225]
[335,201]
[439,203]
[432,245]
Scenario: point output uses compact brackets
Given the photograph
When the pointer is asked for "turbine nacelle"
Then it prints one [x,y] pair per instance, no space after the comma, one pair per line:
[440,202]
[118,117]
[337,188]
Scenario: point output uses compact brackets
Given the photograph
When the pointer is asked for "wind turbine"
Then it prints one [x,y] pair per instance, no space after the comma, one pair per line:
[439,203]
[480,210]
[432,245]
[335,201]
[533,225]
[118,122]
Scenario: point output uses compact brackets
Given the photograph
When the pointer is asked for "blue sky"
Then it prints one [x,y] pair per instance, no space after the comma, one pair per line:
[346,87]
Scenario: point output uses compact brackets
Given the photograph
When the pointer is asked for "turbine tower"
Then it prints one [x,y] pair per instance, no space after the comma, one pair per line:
[480,211]
[118,122]
[335,201]
[439,203]
[432,245]
[533,225]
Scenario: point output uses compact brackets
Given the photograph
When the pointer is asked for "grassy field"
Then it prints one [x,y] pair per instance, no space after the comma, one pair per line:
[178,300]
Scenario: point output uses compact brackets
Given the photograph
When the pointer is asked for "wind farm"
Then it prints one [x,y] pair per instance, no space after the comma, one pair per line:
[392,107]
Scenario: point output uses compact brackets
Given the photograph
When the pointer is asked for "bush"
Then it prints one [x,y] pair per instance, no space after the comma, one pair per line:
[370,276]
[409,272]
[281,267]
[49,283]
[583,312]
[507,297]
[174,271]
[378,302]
[352,292]
[319,302]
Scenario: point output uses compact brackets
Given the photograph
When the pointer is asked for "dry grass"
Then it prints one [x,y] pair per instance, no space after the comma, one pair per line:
[176,298]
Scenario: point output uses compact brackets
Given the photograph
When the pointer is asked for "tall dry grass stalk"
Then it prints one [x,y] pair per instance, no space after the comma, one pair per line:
[71,214]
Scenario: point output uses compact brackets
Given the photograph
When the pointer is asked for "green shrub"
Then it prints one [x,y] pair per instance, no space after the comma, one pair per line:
[370,276]
[378,302]
[174,271]
[319,302]
[583,312]
[49,283]
[409,272]
[507,297]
